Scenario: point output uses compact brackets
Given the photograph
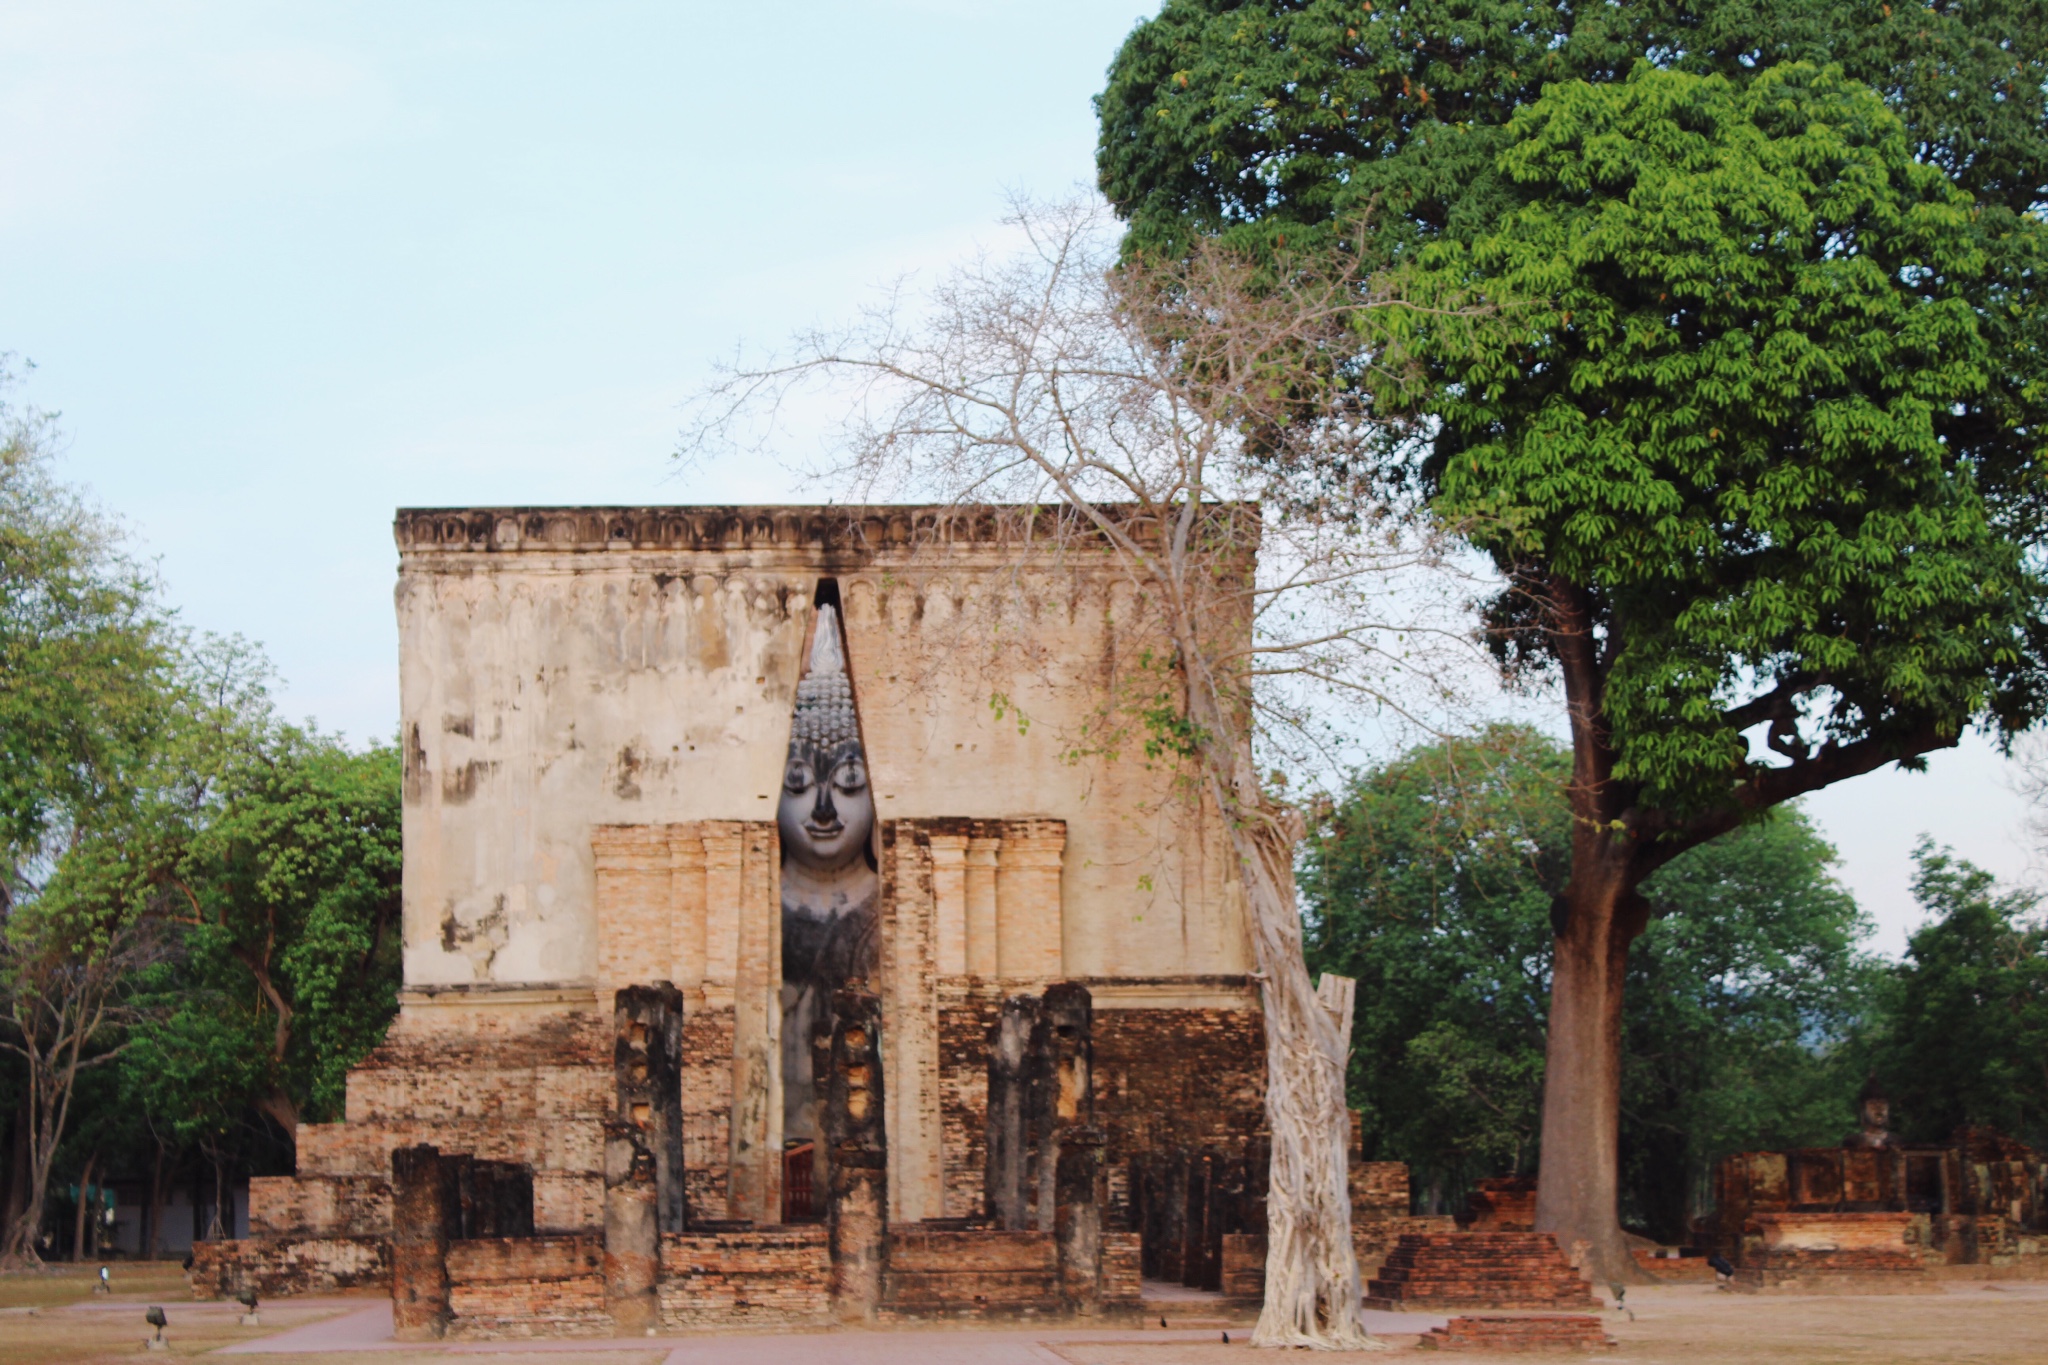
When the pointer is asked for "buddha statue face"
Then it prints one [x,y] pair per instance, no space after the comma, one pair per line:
[1877,1112]
[827,809]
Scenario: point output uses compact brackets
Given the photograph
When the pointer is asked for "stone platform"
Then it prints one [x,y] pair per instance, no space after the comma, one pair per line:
[1834,1253]
[1477,1270]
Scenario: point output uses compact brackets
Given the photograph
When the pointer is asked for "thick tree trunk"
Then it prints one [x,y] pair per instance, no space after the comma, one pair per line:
[1578,1189]
[1312,1289]
[278,1107]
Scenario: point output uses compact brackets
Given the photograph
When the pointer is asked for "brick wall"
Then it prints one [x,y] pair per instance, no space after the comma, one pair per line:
[1122,1287]
[1170,1078]
[756,1277]
[951,1274]
[1244,1265]
[333,1206]
[527,1287]
[966,1015]
[1834,1231]
[275,1266]
[707,1107]
[1379,1189]
[1164,1078]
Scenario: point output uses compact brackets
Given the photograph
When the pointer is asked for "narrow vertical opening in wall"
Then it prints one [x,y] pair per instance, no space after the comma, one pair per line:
[830,881]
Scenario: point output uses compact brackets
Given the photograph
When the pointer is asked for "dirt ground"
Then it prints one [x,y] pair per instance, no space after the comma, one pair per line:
[54,1319]
[1697,1325]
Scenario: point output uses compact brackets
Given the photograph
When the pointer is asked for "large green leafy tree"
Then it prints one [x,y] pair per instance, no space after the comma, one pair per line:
[276,858]
[1755,442]
[1966,1036]
[1431,882]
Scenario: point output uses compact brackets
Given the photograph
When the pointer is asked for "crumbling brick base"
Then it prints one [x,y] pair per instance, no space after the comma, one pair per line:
[1575,1333]
[1477,1270]
[276,1266]
[770,1278]
[527,1287]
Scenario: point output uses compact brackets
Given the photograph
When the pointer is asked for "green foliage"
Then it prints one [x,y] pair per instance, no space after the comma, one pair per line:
[1773,329]
[199,905]
[276,853]
[1967,1026]
[1751,421]
[84,651]
[1263,118]
[1745,998]
[1721,421]
[1432,884]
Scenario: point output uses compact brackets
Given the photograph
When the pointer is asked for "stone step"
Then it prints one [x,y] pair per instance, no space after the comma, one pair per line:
[1574,1332]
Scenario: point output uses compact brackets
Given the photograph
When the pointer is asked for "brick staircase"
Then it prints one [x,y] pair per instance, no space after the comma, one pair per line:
[1477,1270]
[1573,1332]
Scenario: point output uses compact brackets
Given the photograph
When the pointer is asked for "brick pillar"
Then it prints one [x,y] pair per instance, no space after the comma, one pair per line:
[1010,1061]
[632,1238]
[983,850]
[857,1209]
[1077,1219]
[1064,1098]
[647,1066]
[420,1219]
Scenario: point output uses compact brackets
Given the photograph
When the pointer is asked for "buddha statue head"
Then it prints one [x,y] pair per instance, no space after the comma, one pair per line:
[1874,1114]
[1873,1108]
[827,810]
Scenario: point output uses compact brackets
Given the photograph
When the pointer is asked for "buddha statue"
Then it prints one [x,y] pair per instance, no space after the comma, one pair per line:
[826,820]
[1874,1112]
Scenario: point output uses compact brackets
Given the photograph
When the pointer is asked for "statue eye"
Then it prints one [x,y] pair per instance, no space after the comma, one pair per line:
[798,778]
[850,777]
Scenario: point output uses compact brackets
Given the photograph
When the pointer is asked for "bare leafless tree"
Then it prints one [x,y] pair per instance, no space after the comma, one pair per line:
[1145,411]
[64,978]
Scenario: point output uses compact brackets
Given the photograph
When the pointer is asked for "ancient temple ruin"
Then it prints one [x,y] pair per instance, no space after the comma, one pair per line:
[1876,1213]
[783,939]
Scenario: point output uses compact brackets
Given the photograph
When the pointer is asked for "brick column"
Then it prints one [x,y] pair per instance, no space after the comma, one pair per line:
[754,1184]
[420,1218]
[1077,1220]
[686,899]
[980,908]
[1063,1085]
[949,902]
[1010,1057]
[632,1241]
[858,1189]
[647,1069]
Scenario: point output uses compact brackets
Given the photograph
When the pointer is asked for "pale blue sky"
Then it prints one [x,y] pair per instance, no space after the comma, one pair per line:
[285,268]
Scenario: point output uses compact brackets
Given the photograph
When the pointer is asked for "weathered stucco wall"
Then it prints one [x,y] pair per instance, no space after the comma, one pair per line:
[565,669]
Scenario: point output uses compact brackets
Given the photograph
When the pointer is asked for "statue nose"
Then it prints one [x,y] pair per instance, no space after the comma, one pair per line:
[825,813]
